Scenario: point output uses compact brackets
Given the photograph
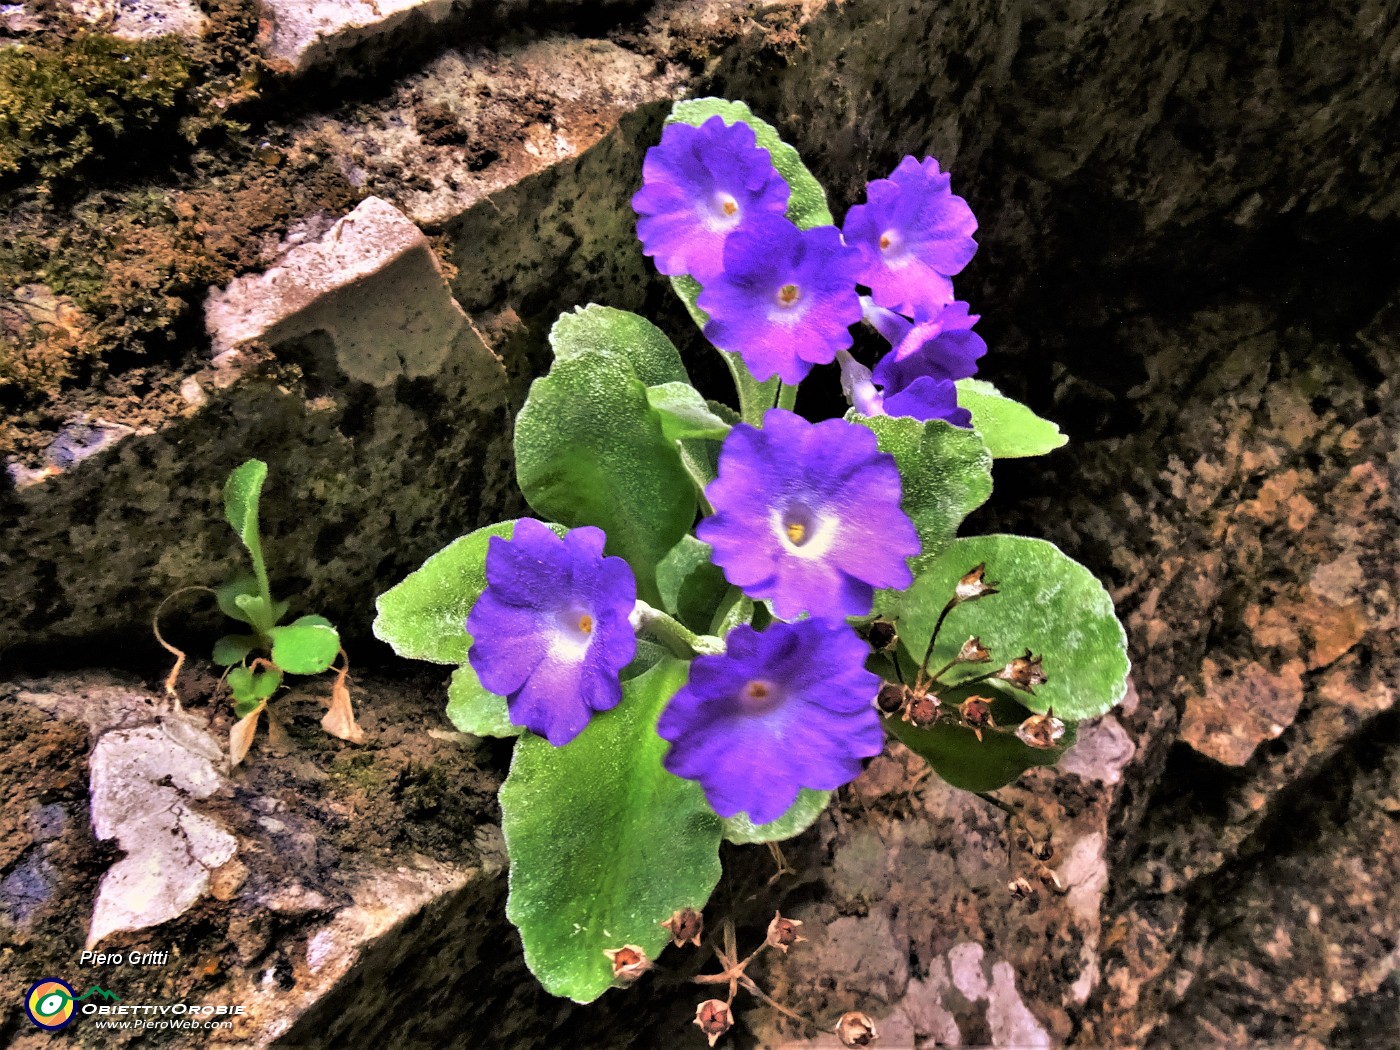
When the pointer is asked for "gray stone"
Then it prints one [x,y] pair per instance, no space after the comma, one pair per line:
[143,19]
[300,34]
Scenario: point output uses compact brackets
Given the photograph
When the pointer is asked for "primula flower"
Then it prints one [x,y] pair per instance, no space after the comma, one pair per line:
[942,346]
[807,515]
[787,708]
[785,300]
[925,398]
[550,631]
[913,234]
[699,185]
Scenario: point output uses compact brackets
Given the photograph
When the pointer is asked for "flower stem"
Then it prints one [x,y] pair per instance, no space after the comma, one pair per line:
[671,633]
[787,396]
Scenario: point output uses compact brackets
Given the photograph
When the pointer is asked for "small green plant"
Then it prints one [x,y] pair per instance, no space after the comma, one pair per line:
[259,658]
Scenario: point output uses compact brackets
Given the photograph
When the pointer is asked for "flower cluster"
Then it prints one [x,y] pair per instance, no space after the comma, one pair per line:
[712,205]
[806,517]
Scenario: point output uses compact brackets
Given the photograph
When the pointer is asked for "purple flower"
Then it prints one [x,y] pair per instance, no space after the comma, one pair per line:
[808,515]
[925,398]
[788,708]
[785,300]
[943,346]
[913,234]
[698,185]
[550,632]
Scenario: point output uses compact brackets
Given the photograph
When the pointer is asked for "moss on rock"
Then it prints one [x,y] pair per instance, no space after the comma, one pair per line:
[61,105]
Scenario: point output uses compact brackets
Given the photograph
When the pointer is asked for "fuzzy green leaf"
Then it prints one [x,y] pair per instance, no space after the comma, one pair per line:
[472,708]
[691,584]
[308,645]
[250,687]
[800,816]
[946,472]
[1009,428]
[965,762]
[684,413]
[630,338]
[232,596]
[589,450]
[234,648]
[241,494]
[604,844]
[1048,603]
[425,616]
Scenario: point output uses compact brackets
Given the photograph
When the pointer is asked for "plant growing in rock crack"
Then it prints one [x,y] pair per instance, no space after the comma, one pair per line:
[259,658]
[729,609]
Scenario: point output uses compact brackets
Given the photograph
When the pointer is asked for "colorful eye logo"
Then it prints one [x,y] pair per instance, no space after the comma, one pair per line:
[49,1004]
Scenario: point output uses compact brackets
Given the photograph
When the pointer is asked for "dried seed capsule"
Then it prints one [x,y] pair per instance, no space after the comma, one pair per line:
[1024,672]
[972,652]
[1021,889]
[686,925]
[891,697]
[856,1029]
[921,710]
[782,933]
[1040,731]
[628,962]
[977,714]
[973,585]
[881,636]
[713,1017]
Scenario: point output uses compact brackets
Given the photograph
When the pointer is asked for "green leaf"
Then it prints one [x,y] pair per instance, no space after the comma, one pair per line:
[1048,603]
[965,762]
[241,494]
[425,616]
[946,472]
[251,687]
[1009,428]
[632,339]
[604,844]
[308,645]
[474,709]
[684,413]
[691,584]
[649,654]
[807,205]
[234,648]
[800,816]
[806,208]
[589,450]
[736,608]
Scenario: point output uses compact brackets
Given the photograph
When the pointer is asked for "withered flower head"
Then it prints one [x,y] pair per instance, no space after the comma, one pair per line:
[881,636]
[891,697]
[922,710]
[1024,672]
[782,933]
[1041,732]
[628,962]
[977,714]
[713,1017]
[972,652]
[856,1029]
[972,586]
[1021,888]
[686,925]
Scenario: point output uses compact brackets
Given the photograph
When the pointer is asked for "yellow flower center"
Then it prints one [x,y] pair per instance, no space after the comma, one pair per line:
[885,242]
[585,623]
[728,204]
[797,532]
[788,294]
